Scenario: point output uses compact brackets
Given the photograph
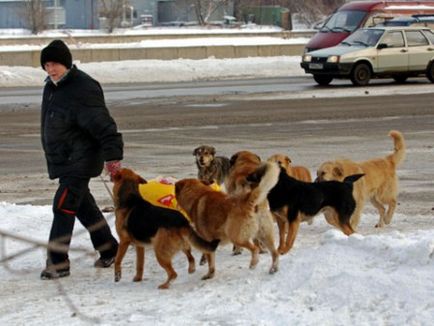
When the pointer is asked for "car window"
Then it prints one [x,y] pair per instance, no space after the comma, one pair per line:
[416,38]
[393,39]
[430,36]
[344,21]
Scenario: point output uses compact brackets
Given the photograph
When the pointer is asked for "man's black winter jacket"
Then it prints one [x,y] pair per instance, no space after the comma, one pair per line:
[77,132]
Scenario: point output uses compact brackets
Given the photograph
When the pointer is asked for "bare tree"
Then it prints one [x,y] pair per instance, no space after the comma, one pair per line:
[205,8]
[311,11]
[35,15]
[112,11]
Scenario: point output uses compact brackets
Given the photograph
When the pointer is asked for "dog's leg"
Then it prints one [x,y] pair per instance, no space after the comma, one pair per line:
[122,249]
[282,224]
[236,250]
[191,262]
[268,240]
[355,218]
[292,233]
[254,251]
[140,263]
[260,245]
[202,260]
[165,261]
[266,235]
[381,211]
[390,211]
[211,266]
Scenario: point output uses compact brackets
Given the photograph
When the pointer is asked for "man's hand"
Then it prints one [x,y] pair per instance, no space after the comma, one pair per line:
[112,167]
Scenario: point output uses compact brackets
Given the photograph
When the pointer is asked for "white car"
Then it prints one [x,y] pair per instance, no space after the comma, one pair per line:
[376,52]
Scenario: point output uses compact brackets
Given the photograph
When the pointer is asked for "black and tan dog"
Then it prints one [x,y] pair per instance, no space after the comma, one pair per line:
[303,200]
[211,168]
[298,172]
[139,222]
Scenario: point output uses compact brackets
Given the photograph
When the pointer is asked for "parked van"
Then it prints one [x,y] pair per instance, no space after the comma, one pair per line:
[356,14]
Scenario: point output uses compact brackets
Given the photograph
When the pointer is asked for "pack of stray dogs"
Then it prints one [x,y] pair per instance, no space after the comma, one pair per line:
[237,200]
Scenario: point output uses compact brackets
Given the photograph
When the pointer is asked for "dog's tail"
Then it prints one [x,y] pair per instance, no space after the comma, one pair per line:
[267,175]
[198,242]
[399,147]
[353,178]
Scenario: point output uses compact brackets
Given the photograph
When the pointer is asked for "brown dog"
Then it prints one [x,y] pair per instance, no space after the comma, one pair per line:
[139,222]
[300,173]
[242,164]
[211,168]
[235,218]
[380,184]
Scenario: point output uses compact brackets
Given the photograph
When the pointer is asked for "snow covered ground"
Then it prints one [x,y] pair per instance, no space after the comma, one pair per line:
[375,277]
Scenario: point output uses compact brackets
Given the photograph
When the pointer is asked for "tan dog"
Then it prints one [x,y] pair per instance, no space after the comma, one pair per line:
[296,171]
[139,222]
[300,173]
[379,185]
[235,218]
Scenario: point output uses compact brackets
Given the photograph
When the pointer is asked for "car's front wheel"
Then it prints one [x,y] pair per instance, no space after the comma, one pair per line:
[361,75]
[430,72]
[322,80]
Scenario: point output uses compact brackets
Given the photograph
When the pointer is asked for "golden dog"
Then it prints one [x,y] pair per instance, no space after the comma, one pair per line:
[139,222]
[297,172]
[380,184]
[234,218]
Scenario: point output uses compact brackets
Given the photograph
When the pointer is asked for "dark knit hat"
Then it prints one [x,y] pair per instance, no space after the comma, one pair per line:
[56,51]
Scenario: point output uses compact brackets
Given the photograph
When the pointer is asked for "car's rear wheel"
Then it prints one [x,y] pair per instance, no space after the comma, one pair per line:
[322,80]
[430,72]
[400,79]
[361,75]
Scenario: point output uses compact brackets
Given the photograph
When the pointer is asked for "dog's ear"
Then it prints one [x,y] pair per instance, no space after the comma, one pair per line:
[259,159]
[233,159]
[142,181]
[212,150]
[288,160]
[195,151]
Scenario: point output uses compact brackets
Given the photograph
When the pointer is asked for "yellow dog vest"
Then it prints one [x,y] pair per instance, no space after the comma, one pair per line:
[161,192]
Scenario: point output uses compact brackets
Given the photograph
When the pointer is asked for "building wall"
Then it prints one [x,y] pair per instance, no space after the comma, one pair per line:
[141,7]
[10,16]
[81,14]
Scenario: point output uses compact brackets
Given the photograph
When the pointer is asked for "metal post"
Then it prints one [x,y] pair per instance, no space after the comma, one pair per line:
[55,13]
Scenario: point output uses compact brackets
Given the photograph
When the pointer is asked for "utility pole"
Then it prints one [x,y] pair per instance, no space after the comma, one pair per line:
[55,13]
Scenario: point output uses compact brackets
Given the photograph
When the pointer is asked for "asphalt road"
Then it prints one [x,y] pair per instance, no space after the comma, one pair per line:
[160,137]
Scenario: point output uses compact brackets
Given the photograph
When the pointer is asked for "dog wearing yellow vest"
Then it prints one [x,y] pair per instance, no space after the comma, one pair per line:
[146,213]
